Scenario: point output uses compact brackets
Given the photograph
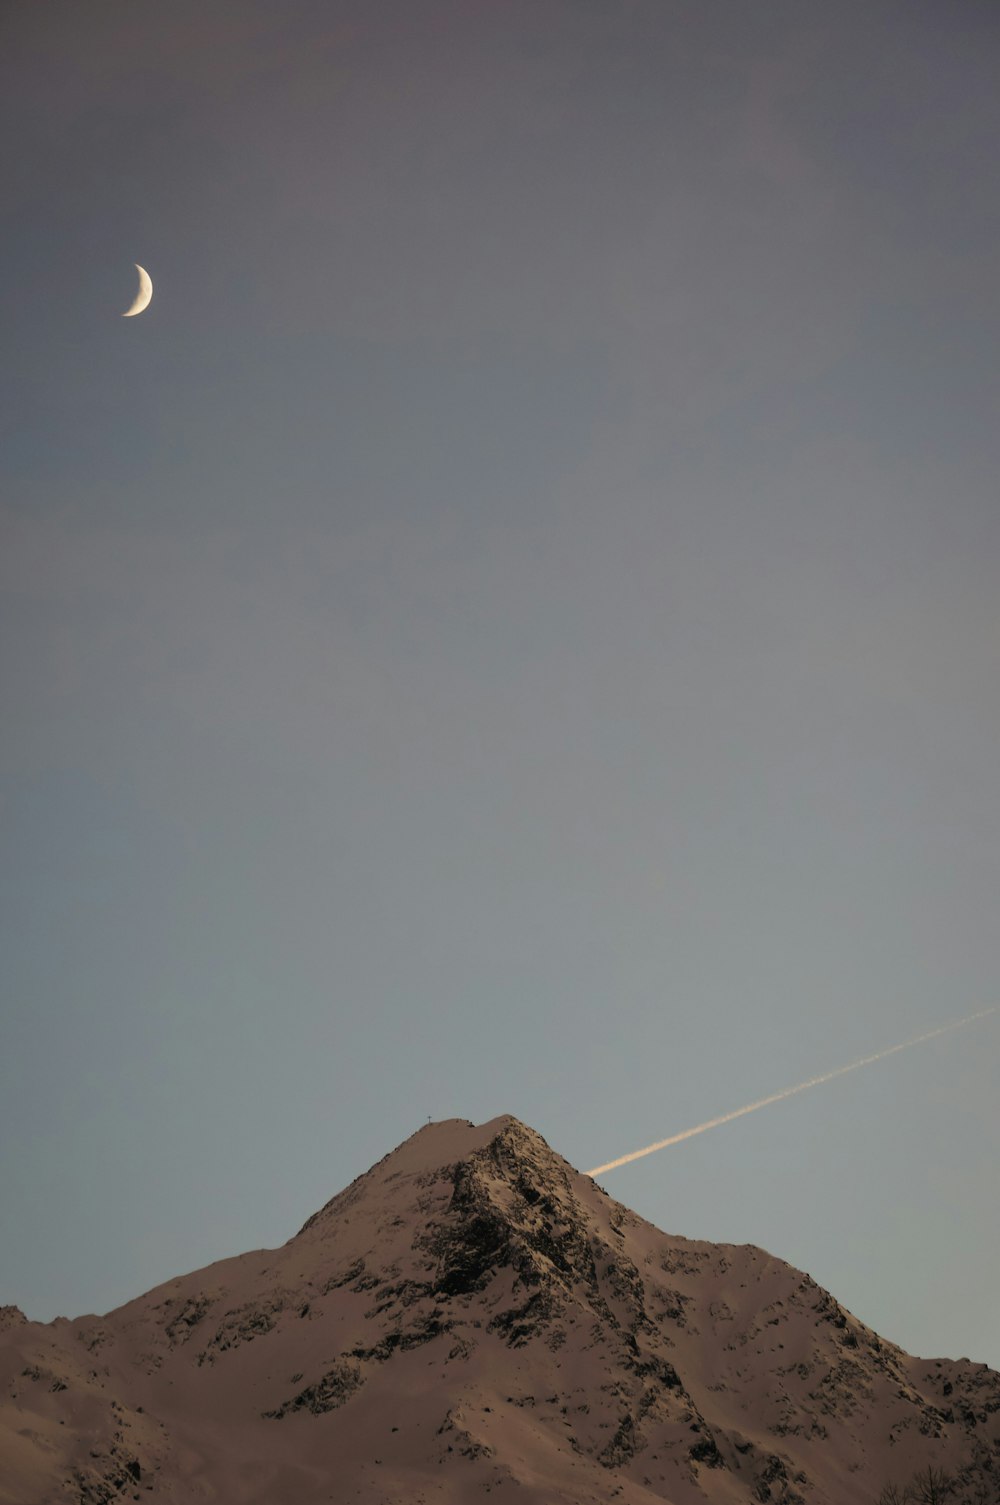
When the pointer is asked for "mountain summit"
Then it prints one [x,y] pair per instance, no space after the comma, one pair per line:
[474,1316]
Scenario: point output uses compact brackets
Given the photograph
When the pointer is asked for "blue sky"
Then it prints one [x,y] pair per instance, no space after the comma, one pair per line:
[511,628]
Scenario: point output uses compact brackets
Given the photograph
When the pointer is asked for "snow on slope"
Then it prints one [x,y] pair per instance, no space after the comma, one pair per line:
[473,1316]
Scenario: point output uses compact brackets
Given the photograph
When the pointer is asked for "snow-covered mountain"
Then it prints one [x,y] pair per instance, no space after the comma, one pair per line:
[474,1316]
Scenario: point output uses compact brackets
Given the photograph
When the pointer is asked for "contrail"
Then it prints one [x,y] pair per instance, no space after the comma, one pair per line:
[778,1097]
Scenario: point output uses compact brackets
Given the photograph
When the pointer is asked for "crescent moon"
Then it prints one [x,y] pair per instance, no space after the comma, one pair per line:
[144,294]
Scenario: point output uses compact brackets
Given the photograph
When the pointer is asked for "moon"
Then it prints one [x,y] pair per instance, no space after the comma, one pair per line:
[144,294]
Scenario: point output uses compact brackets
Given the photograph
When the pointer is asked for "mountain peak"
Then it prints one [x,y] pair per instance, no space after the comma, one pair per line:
[434,1147]
[456,1203]
[474,1312]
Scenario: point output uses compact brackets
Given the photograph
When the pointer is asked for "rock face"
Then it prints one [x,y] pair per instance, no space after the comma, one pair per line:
[475,1316]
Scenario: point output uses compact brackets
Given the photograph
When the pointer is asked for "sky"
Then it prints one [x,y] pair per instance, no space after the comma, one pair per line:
[512,628]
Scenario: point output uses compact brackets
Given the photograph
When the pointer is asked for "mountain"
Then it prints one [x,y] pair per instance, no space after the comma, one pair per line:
[471,1317]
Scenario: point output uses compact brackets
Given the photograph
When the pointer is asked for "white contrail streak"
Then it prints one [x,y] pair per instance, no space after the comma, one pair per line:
[778,1097]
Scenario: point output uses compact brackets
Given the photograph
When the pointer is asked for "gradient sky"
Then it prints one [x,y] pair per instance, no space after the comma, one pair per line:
[514,627]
